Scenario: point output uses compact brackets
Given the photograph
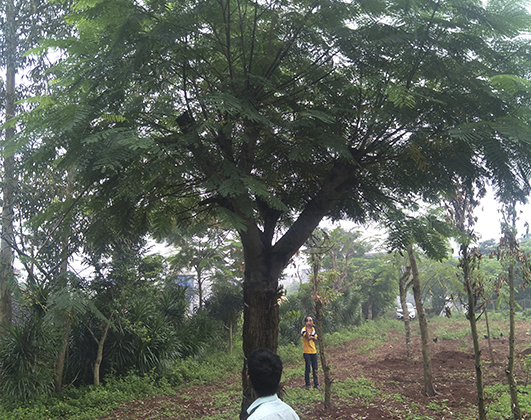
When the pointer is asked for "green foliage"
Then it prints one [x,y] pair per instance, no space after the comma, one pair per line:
[500,406]
[358,388]
[26,352]
[87,402]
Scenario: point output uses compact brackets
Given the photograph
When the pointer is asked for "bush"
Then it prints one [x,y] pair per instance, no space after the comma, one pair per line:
[87,402]
[26,361]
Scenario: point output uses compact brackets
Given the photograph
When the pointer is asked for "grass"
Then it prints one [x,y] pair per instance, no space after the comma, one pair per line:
[90,402]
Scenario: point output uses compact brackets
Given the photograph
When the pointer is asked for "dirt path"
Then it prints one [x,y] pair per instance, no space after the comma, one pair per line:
[399,381]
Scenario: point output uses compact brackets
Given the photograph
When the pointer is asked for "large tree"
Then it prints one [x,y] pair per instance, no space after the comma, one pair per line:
[274,115]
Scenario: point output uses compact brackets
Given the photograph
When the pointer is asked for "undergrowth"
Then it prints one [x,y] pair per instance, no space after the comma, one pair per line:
[89,402]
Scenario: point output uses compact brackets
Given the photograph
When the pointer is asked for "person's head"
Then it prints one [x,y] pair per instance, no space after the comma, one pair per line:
[264,369]
[308,321]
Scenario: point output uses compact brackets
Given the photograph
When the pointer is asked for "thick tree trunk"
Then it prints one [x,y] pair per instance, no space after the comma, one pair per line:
[264,263]
[8,187]
[515,407]
[426,355]
[260,319]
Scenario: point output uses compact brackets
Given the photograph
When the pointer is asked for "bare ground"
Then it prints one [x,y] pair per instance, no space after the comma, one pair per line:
[399,381]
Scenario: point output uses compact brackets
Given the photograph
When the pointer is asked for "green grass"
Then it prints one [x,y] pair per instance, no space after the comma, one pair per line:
[90,402]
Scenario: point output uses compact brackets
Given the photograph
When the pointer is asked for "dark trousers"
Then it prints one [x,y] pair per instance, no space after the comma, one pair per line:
[311,361]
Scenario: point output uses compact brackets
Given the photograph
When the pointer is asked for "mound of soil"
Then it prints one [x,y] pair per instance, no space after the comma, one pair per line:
[399,381]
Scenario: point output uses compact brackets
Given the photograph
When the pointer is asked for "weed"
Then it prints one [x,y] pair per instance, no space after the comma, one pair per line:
[437,406]
[359,388]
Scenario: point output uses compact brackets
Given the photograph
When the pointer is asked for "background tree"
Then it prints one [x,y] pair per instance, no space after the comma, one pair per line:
[226,304]
[515,261]
[461,210]
[431,235]
[24,25]
[201,253]
[320,244]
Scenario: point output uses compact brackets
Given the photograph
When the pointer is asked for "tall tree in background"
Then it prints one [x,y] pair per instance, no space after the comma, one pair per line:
[431,235]
[8,175]
[515,261]
[272,116]
[461,209]
[25,24]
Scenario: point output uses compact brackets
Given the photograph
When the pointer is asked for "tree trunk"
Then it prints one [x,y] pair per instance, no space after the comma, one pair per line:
[369,308]
[426,356]
[488,335]
[230,337]
[99,354]
[474,331]
[63,319]
[8,187]
[264,263]
[200,288]
[320,337]
[61,357]
[515,407]
[260,318]
[405,311]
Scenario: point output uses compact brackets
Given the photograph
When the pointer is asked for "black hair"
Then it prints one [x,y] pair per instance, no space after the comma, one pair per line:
[306,319]
[265,369]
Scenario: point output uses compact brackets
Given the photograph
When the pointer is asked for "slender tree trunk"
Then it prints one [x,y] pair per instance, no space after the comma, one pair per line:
[474,331]
[8,188]
[230,337]
[515,407]
[99,354]
[63,320]
[200,288]
[407,322]
[64,330]
[402,287]
[369,308]
[488,335]
[320,337]
[61,357]
[426,355]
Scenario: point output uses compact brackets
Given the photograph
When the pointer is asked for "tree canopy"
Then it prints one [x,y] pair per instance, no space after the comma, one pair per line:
[271,116]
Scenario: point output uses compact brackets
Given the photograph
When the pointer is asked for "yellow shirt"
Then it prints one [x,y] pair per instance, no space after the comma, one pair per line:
[308,346]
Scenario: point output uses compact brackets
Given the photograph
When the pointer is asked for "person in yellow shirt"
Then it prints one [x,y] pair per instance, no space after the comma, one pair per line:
[309,337]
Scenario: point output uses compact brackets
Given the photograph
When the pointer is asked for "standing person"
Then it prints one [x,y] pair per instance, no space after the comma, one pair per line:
[309,336]
[264,369]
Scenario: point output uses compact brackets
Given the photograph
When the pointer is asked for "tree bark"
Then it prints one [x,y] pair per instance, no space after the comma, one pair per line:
[99,354]
[402,285]
[260,317]
[426,355]
[61,357]
[369,308]
[492,360]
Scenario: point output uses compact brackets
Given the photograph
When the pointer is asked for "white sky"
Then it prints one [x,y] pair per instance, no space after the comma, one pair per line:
[488,224]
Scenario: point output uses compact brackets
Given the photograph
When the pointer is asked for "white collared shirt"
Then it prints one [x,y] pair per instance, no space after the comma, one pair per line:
[271,408]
